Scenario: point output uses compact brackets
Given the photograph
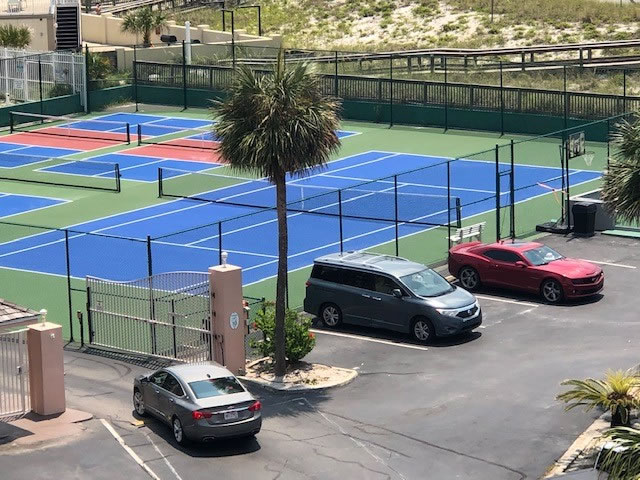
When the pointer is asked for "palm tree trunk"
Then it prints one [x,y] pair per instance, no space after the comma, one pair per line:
[146,39]
[281,284]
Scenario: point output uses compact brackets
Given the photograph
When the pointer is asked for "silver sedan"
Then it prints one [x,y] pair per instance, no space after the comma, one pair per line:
[200,402]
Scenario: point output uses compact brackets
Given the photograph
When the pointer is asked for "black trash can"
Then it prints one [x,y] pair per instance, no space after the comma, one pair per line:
[584,218]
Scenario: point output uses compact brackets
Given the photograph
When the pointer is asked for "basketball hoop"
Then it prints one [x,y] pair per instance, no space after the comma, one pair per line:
[588,158]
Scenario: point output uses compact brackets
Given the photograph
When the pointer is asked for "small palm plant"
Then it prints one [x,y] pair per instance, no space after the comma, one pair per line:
[616,393]
[621,187]
[623,461]
[142,21]
[12,36]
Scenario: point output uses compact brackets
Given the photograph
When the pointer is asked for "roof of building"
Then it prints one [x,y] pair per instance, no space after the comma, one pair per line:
[10,312]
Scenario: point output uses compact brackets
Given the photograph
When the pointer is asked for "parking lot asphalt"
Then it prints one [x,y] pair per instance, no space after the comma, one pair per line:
[479,406]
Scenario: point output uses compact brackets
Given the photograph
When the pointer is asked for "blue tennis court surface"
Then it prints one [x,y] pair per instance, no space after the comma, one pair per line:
[150,125]
[251,240]
[132,167]
[14,204]
[14,155]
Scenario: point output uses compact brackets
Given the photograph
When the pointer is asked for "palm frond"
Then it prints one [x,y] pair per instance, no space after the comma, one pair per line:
[279,122]
[621,186]
[622,462]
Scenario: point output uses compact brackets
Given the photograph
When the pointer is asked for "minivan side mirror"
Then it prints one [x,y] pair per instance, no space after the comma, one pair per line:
[397,292]
[521,264]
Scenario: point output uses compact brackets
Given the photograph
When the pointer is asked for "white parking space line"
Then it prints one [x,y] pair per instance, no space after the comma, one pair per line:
[164,457]
[504,300]
[621,265]
[372,340]
[128,449]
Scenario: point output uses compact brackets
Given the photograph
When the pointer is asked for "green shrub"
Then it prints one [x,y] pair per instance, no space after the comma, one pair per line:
[59,90]
[299,341]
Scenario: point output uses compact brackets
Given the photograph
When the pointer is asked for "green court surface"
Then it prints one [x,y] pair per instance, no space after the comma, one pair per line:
[40,290]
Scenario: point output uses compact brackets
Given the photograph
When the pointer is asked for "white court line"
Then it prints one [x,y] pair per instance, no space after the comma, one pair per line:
[265,179]
[215,249]
[369,339]
[129,450]
[163,456]
[301,179]
[403,183]
[61,202]
[504,300]
[100,230]
[391,240]
[621,265]
[365,234]
[273,220]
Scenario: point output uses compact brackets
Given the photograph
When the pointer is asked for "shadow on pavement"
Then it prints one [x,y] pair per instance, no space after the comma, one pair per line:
[397,337]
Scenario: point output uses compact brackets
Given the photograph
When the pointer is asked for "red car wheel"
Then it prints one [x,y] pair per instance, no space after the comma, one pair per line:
[551,290]
[469,278]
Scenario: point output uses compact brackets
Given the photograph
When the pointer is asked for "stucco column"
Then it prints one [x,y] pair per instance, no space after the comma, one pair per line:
[228,321]
[46,368]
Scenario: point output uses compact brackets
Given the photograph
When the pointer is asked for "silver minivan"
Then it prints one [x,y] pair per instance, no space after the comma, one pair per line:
[388,292]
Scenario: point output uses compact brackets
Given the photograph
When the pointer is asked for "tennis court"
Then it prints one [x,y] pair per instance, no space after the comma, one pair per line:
[163,142]
[179,241]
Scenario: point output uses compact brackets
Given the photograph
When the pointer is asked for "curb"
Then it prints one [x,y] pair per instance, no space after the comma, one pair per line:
[584,440]
[283,387]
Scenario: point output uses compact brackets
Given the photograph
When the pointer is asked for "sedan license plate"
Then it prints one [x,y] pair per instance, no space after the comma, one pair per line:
[230,415]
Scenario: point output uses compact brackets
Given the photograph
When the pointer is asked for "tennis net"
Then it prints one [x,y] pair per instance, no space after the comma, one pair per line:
[185,133]
[70,127]
[376,200]
[62,172]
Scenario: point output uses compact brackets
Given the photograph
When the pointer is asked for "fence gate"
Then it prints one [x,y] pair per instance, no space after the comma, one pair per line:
[14,375]
[166,315]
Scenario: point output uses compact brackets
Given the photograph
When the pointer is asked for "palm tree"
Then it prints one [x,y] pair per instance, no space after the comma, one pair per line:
[12,36]
[142,21]
[621,187]
[623,461]
[616,393]
[274,125]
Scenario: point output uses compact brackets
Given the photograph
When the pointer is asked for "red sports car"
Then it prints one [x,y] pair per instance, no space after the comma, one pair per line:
[527,266]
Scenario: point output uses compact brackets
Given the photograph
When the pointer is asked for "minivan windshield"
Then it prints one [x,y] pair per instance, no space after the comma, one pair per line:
[427,283]
[542,255]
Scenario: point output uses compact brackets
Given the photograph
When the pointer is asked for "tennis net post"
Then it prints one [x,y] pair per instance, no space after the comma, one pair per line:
[159,182]
[117,174]
[139,135]
[128,128]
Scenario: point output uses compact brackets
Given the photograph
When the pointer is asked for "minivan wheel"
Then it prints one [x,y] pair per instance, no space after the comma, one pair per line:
[469,278]
[422,330]
[331,315]
[551,291]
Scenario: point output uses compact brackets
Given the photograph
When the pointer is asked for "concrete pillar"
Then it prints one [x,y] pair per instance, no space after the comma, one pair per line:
[46,368]
[228,325]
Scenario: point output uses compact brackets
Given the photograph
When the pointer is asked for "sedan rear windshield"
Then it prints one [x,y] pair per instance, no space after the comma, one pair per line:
[542,255]
[214,387]
[427,283]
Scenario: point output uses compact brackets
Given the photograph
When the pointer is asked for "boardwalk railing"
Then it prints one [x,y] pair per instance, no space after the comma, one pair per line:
[413,92]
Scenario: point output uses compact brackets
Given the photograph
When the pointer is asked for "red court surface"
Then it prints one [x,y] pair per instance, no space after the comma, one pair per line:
[176,152]
[59,137]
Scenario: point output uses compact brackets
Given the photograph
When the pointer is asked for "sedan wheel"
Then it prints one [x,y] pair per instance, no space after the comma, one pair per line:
[469,278]
[138,403]
[422,330]
[552,291]
[178,432]
[331,315]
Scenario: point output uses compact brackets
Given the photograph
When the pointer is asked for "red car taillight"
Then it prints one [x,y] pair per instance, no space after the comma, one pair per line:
[199,415]
[307,283]
[255,407]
